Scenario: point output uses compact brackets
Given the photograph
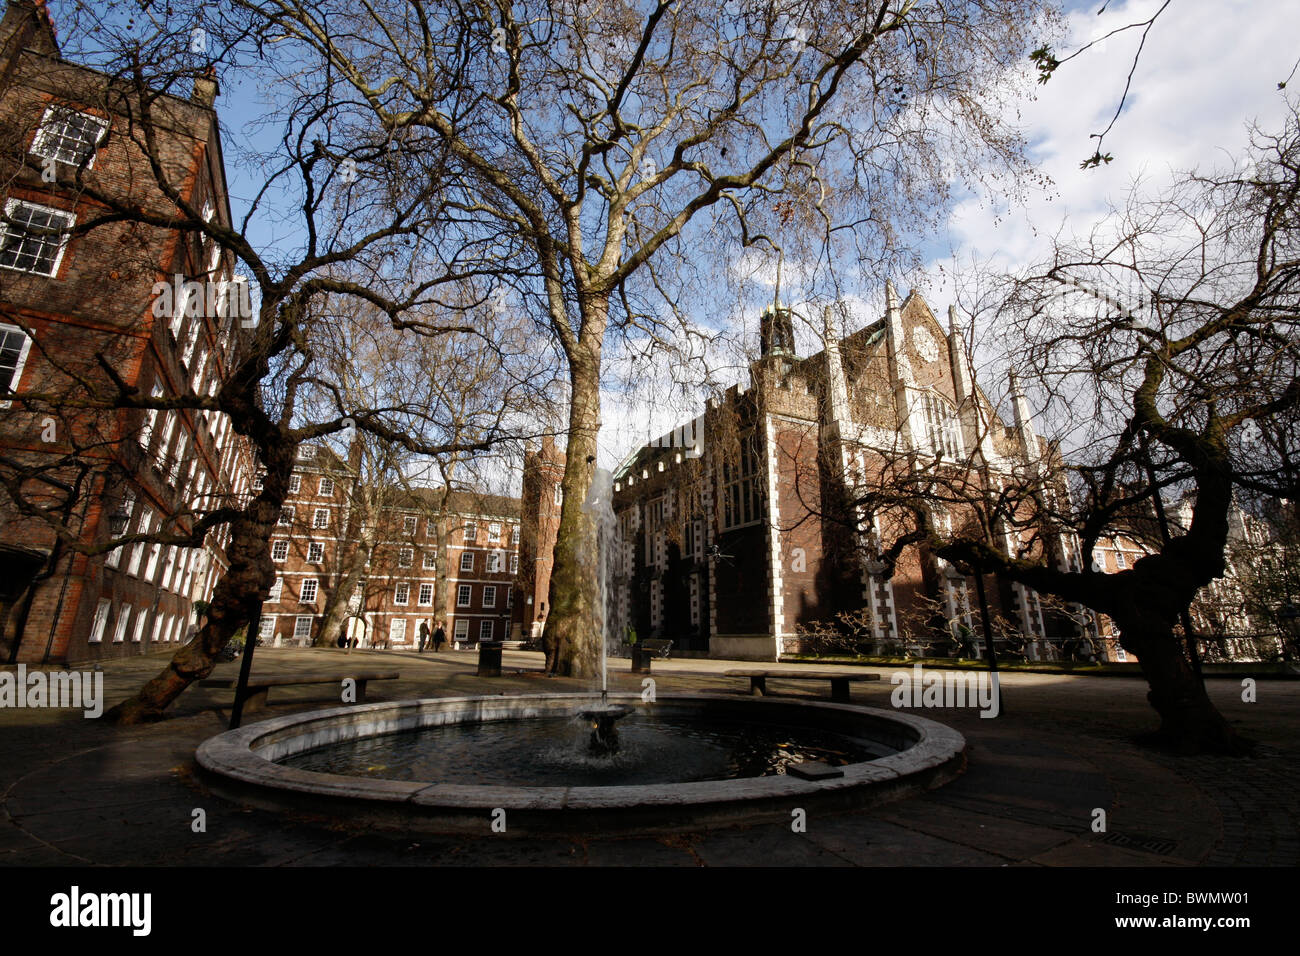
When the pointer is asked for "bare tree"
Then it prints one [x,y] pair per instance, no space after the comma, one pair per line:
[602,157]
[1163,349]
[338,231]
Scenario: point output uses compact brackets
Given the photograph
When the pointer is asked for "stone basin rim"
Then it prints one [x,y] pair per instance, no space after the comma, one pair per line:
[241,755]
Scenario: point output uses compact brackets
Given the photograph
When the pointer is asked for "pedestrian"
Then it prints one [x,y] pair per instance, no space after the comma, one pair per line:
[439,637]
[424,635]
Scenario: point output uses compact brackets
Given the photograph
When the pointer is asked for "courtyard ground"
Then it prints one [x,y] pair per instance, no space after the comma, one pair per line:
[78,792]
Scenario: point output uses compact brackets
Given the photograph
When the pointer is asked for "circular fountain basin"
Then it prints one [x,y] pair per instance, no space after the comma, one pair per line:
[245,765]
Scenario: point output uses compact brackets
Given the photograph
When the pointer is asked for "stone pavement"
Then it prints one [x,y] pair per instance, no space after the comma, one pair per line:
[78,791]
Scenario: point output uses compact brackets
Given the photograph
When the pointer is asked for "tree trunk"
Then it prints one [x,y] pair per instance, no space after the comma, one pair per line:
[572,636]
[1189,722]
[247,581]
[336,611]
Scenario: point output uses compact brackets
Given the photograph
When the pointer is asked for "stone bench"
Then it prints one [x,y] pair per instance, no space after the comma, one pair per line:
[260,684]
[839,682]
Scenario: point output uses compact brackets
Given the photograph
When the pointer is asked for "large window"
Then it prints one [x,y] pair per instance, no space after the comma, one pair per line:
[741,503]
[408,524]
[308,593]
[302,628]
[326,488]
[471,532]
[514,564]
[401,593]
[461,632]
[494,561]
[14,345]
[101,620]
[489,595]
[942,429]
[68,136]
[321,519]
[123,619]
[279,549]
[430,561]
[485,630]
[295,484]
[315,552]
[426,595]
[405,556]
[463,595]
[34,237]
[467,561]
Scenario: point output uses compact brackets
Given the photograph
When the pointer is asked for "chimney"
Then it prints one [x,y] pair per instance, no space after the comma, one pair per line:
[206,89]
[27,25]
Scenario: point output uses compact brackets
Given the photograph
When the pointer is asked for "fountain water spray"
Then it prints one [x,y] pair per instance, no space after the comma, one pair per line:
[599,507]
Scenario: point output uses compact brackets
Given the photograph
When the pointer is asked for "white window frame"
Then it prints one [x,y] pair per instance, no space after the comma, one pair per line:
[471,532]
[70,221]
[315,548]
[486,630]
[464,595]
[266,627]
[295,484]
[277,591]
[302,590]
[141,620]
[467,561]
[402,593]
[430,561]
[5,330]
[489,595]
[494,562]
[286,511]
[123,621]
[425,596]
[100,620]
[299,632]
[494,531]
[325,489]
[397,630]
[40,142]
[316,519]
[514,536]
[410,524]
[461,631]
[275,543]
[405,557]
[514,564]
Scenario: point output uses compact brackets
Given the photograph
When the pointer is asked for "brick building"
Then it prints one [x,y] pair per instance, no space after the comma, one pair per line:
[410,555]
[81,295]
[733,534]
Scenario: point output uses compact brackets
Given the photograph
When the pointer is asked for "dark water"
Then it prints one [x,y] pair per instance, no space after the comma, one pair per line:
[553,753]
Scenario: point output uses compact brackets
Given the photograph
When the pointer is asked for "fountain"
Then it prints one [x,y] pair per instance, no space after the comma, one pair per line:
[449,764]
[599,507]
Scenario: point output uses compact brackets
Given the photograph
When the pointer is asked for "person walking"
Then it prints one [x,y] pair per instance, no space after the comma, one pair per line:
[424,635]
[439,637]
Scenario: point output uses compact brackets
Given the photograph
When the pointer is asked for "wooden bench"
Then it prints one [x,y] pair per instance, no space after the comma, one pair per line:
[839,682]
[260,684]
